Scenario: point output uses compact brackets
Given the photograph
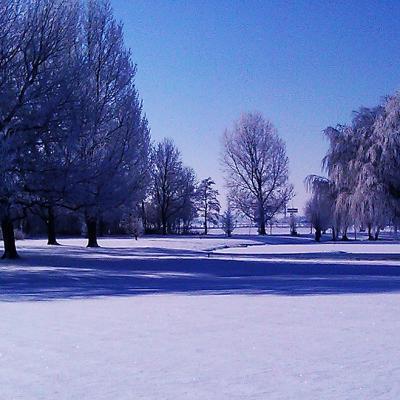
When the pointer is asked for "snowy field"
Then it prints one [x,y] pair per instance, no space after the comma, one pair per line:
[201,318]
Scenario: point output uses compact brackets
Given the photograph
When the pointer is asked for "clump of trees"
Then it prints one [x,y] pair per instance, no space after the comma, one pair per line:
[74,139]
[256,165]
[73,135]
[75,143]
[362,188]
[174,196]
[171,202]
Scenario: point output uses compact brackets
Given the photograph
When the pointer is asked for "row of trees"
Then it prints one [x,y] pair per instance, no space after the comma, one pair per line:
[74,138]
[256,169]
[174,197]
[72,131]
[362,187]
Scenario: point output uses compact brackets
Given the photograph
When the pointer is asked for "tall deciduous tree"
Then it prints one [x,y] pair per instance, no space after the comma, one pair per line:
[112,143]
[355,168]
[256,165]
[173,186]
[72,130]
[320,208]
[34,37]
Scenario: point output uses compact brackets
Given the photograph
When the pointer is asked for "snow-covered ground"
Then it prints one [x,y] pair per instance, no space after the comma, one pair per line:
[201,318]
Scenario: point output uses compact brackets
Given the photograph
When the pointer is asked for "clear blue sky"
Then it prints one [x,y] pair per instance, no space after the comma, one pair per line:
[303,64]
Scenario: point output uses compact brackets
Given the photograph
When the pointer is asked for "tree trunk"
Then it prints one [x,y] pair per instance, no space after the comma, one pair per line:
[261,224]
[51,228]
[370,237]
[144,219]
[377,232]
[205,223]
[334,236]
[7,227]
[91,225]
[317,235]
[261,220]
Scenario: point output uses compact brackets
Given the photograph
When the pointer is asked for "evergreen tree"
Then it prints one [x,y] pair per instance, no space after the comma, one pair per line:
[208,204]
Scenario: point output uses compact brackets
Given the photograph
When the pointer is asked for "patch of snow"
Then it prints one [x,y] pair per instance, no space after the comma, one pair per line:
[161,318]
[201,347]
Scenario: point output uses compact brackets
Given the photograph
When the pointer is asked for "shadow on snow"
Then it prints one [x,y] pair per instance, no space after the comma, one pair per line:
[122,272]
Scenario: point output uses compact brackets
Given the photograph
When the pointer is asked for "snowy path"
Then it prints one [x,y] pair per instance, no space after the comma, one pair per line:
[164,321]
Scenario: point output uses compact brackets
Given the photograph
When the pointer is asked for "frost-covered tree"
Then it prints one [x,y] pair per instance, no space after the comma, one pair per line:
[208,205]
[172,191]
[111,145]
[338,163]
[43,160]
[132,223]
[72,130]
[320,208]
[385,153]
[360,162]
[370,201]
[183,219]
[354,167]
[228,220]
[34,38]
[256,166]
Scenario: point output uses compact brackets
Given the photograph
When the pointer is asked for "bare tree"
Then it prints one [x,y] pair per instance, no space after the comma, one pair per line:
[172,188]
[256,165]
[208,204]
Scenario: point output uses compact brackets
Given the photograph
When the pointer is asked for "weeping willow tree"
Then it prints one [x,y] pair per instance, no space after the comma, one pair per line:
[338,165]
[370,200]
[320,208]
[386,153]
[362,165]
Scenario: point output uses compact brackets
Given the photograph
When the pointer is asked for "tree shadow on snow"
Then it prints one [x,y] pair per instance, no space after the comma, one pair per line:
[83,273]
